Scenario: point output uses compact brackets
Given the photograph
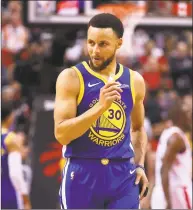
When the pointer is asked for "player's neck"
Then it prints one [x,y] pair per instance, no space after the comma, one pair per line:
[110,69]
[183,128]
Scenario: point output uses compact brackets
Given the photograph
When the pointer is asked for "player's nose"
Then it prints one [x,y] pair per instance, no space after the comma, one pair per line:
[96,50]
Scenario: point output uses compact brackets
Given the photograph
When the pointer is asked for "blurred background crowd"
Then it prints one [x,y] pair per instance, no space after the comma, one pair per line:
[32,58]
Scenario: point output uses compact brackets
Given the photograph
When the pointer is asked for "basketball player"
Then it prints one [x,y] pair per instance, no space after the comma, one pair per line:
[94,103]
[173,173]
[13,187]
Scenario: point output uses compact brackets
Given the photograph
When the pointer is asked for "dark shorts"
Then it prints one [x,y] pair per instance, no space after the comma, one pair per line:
[8,196]
[99,184]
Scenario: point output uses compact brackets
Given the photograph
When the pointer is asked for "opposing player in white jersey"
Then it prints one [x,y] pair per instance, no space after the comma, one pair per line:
[173,169]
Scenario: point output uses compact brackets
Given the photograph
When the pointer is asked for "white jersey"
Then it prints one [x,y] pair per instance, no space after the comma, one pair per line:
[181,170]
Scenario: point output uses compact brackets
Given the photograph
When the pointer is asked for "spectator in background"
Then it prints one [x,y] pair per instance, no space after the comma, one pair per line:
[173,188]
[170,43]
[8,93]
[14,34]
[188,35]
[153,65]
[165,100]
[15,194]
[181,67]
[14,7]
[152,108]
[84,54]
[12,93]
[4,76]
[5,18]
[139,40]
[73,53]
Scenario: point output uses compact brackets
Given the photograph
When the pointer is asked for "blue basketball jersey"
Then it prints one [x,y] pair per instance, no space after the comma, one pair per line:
[109,136]
[5,136]
[8,193]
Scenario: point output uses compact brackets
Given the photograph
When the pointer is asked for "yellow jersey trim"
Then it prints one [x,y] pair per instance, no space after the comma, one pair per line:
[81,92]
[87,67]
[132,85]
[9,138]
[4,130]
[120,72]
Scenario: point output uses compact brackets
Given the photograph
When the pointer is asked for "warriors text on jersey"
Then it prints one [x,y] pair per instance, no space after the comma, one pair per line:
[109,136]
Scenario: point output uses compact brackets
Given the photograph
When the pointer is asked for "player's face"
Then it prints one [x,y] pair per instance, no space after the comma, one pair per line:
[187,108]
[102,44]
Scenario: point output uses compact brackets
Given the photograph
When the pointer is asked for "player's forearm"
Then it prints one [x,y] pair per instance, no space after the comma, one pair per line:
[70,129]
[139,140]
[165,183]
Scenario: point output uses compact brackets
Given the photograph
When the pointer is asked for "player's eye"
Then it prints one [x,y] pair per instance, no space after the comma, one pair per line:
[103,44]
[91,43]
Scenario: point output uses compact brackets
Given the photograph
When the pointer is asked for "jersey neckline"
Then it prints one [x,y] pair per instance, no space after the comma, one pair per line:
[116,76]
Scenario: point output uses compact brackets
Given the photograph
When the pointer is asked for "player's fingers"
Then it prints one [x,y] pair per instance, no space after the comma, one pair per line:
[116,97]
[138,179]
[109,84]
[113,97]
[112,88]
[143,191]
[114,92]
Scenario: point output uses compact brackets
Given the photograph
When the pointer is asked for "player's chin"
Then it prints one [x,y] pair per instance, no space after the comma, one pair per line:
[97,63]
[97,67]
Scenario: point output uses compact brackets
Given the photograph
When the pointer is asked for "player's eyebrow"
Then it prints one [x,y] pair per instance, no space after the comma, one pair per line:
[105,41]
[90,40]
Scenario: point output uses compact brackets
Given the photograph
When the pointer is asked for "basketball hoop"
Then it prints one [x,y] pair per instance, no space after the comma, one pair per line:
[124,10]
[130,14]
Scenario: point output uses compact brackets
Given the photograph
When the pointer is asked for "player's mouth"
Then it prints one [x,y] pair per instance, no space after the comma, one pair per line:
[96,59]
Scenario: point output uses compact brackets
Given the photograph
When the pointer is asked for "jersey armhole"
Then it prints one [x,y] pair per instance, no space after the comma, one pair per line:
[132,85]
[81,92]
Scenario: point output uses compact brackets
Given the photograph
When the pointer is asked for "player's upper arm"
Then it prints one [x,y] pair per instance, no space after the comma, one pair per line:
[67,90]
[175,146]
[137,114]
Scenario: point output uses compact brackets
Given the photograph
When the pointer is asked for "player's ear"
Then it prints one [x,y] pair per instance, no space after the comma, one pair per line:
[119,43]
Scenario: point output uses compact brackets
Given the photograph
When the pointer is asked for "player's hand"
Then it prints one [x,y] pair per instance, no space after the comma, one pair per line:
[109,93]
[145,203]
[27,206]
[142,180]
[168,207]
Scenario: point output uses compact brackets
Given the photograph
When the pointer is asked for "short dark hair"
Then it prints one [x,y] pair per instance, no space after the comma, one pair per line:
[6,109]
[176,112]
[107,20]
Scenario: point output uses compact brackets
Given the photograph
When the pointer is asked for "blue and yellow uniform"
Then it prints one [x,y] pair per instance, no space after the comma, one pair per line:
[100,172]
[8,193]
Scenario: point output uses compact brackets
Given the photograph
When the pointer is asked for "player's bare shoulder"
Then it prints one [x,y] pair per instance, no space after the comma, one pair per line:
[139,84]
[138,79]
[68,81]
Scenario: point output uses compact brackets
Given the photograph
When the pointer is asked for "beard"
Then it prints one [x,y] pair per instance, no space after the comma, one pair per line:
[103,65]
